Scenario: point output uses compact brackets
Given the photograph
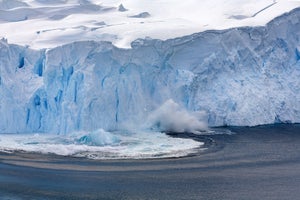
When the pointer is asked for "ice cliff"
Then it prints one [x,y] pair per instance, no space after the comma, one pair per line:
[240,76]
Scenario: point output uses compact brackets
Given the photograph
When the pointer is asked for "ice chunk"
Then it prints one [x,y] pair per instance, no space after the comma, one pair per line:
[99,138]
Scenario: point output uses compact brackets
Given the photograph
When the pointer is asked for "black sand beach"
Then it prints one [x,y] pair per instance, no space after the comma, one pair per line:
[254,163]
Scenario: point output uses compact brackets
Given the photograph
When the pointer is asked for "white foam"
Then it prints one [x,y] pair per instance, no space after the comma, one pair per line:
[118,145]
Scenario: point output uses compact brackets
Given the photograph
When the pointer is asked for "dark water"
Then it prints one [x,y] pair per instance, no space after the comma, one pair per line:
[254,163]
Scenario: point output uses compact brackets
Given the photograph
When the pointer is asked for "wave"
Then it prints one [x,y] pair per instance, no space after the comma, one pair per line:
[102,145]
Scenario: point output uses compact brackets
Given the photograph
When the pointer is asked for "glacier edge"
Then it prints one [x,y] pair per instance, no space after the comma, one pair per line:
[241,76]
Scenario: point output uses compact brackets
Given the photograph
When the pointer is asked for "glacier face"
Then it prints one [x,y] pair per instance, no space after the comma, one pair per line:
[239,76]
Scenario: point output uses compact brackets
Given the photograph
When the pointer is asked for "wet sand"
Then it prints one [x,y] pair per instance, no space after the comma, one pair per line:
[254,163]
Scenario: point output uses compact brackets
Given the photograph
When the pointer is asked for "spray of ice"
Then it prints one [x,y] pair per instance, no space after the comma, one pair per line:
[171,117]
[146,141]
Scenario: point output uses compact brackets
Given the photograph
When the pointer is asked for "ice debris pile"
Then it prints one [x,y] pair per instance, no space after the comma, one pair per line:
[238,76]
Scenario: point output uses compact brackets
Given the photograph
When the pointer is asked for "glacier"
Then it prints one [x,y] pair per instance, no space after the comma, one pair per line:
[240,76]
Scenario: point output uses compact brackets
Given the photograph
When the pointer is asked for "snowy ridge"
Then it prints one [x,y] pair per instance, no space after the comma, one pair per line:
[239,76]
[51,23]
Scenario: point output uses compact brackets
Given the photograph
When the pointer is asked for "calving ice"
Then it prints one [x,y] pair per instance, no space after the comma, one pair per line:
[53,81]
[241,76]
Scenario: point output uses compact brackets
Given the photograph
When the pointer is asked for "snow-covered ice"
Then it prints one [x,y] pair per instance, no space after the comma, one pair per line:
[240,76]
[47,24]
